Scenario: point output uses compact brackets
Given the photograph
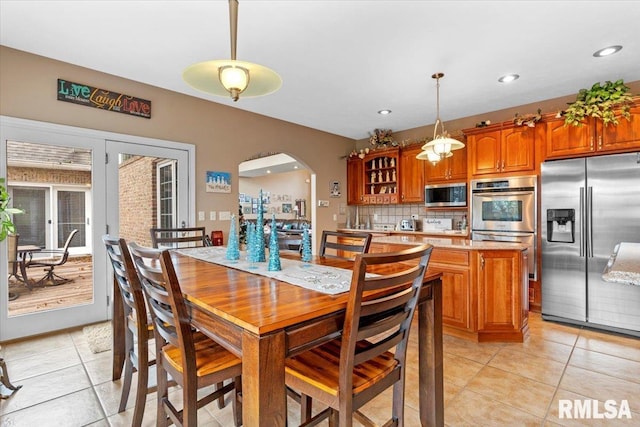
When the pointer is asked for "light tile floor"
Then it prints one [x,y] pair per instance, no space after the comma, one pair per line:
[65,384]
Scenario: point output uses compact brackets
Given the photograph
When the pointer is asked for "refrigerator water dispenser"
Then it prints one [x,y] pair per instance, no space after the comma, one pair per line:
[561,225]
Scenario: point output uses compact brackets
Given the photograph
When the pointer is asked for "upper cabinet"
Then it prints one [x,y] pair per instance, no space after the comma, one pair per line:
[592,137]
[412,175]
[381,177]
[453,168]
[502,149]
[355,181]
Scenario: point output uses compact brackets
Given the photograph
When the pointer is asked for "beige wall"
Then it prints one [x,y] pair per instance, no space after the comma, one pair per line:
[223,136]
[295,184]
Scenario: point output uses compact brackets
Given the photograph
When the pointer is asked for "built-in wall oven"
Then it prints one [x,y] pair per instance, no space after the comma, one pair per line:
[504,210]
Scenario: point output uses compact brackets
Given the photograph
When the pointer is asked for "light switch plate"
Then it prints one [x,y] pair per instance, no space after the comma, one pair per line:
[323,203]
[225,215]
[212,215]
[200,215]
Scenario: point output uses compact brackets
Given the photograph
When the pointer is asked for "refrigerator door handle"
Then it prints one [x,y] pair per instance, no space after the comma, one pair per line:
[590,222]
[582,224]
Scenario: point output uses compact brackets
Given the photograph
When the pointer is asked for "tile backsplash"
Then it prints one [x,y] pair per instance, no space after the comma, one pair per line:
[392,214]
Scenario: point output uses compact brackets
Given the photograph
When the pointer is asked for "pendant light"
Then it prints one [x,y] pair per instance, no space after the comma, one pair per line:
[441,146]
[229,77]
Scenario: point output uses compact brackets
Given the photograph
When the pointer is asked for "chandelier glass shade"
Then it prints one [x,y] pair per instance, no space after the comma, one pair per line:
[441,146]
[229,77]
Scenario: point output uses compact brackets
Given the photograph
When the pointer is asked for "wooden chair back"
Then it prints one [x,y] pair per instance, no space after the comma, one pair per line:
[179,237]
[126,277]
[171,320]
[337,244]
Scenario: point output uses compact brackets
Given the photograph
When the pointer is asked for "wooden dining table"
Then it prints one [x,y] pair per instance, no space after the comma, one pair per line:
[264,321]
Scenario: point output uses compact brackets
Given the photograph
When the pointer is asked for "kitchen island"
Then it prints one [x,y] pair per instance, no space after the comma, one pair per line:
[484,284]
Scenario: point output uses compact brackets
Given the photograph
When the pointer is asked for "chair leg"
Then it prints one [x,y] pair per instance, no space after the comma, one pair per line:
[221,398]
[398,402]
[190,403]
[162,392]
[128,372]
[143,382]
[306,404]
[237,402]
[4,380]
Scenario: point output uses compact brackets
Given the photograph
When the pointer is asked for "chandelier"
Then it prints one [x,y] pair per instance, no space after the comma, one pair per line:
[441,146]
[230,77]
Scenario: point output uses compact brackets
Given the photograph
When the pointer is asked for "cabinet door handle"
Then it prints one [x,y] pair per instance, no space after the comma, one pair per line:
[498,165]
[481,262]
[591,143]
[502,165]
[599,141]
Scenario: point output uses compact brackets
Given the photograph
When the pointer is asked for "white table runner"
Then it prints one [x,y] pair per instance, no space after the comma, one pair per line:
[328,280]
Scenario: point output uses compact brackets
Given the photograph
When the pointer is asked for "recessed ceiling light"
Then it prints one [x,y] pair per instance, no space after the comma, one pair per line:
[268,170]
[607,51]
[508,78]
[384,112]
[295,166]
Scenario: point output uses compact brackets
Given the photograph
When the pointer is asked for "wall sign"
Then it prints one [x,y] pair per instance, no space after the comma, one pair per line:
[218,182]
[103,99]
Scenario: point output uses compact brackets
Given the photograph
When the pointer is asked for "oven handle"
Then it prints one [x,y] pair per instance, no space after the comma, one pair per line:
[503,233]
[502,193]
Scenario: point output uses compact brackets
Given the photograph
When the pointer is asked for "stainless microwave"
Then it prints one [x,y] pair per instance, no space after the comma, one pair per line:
[445,195]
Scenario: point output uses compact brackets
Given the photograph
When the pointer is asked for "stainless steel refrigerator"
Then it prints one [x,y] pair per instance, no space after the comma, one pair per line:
[588,206]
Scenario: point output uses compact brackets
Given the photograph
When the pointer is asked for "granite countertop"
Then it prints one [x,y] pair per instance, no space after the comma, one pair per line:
[448,242]
[624,264]
[457,233]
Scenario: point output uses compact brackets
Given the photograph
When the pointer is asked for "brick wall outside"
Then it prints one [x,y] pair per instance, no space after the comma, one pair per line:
[48,176]
[138,210]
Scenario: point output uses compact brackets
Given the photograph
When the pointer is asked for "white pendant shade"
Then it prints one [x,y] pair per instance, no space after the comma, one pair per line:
[205,76]
[443,146]
[226,77]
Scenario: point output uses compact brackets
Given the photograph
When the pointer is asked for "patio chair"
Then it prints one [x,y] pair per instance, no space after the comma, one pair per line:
[55,258]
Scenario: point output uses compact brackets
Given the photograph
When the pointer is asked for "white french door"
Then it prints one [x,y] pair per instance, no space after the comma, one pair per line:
[56,175]
[92,199]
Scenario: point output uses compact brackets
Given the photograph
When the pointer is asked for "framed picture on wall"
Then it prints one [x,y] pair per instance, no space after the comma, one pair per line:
[287,208]
[218,182]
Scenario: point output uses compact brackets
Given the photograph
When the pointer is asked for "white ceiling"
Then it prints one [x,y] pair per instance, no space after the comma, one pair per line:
[342,61]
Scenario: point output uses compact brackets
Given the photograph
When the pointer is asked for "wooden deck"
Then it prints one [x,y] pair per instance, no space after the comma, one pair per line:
[78,291]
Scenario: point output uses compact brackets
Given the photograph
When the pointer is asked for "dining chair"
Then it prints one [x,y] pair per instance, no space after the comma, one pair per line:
[192,359]
[349,371]
[336,244]
[53,258]
[139,329]
[179,237]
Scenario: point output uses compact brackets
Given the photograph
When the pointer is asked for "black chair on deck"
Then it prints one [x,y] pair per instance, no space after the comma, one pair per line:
[53,258]
[179,237]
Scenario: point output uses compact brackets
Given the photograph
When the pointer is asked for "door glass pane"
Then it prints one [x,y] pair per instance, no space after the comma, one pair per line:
[71,216]
[33,222]
[166,186]
[52,184]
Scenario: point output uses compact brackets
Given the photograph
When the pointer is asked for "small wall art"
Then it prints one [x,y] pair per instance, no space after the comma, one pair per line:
[334,190]
[286,208]
[218,182]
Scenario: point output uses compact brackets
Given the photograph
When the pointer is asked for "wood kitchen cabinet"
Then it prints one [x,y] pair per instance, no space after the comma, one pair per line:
[484,292]
[355,181]
[503,297]
[453,168]
[592,137]
[381,177]
[502,149]
[456,287]
[411,175]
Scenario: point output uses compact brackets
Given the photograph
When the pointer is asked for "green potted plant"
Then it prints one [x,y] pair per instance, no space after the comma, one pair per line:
[600,102]
[6,225]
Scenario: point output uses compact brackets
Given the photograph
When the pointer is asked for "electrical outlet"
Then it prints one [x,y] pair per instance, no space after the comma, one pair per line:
[375,216]
[335,217]
[200,215]
[415,216]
